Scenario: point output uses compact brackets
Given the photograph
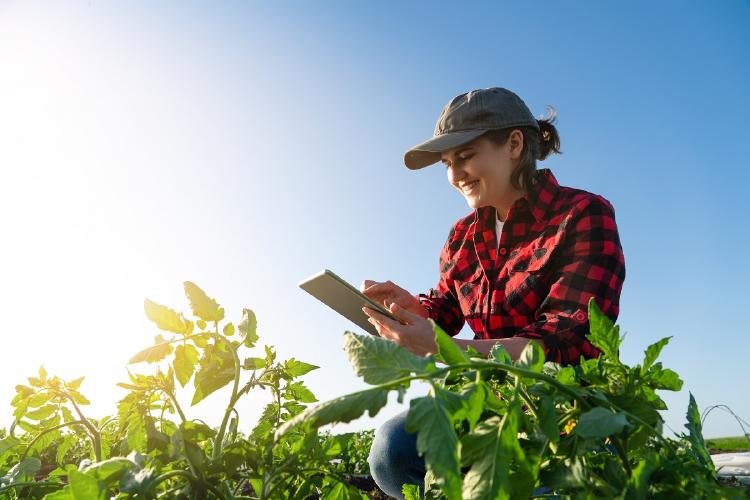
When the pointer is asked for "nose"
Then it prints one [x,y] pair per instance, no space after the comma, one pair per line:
[455,174]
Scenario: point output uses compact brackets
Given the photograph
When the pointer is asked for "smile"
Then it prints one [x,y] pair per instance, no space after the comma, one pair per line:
[468,187]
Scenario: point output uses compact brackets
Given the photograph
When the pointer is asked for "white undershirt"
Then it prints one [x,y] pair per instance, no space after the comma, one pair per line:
[498,230]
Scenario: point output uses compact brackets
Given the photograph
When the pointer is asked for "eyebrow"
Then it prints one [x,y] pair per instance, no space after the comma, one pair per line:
[458,152]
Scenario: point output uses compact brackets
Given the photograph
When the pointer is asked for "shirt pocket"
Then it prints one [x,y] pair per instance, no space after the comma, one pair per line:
[526,284]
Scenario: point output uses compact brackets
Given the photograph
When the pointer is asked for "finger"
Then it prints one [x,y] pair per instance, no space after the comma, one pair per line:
[366,284]
[384,320]
[404,314]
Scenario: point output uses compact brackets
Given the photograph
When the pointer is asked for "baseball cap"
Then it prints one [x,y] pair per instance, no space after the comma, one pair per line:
[468,116]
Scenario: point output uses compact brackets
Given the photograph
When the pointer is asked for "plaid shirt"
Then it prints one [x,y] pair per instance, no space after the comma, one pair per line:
[558,248]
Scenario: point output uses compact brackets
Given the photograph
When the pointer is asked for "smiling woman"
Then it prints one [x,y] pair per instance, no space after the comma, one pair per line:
[521,266]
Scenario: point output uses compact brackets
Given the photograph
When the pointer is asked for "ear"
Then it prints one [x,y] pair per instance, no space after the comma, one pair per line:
[515,142]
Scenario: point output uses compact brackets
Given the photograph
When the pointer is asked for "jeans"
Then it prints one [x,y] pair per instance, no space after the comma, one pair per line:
[393,458]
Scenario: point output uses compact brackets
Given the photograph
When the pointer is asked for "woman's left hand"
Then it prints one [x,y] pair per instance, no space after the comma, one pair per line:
[416,336]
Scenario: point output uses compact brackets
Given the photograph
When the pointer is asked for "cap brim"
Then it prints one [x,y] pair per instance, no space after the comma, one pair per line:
[427,153]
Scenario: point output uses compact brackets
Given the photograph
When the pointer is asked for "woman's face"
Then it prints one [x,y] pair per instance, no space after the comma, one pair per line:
[481,171]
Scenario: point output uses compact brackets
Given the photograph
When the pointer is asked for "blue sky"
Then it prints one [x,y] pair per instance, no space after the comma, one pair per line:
[245,146]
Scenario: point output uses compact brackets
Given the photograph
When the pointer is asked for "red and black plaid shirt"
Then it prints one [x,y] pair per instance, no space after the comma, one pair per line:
[559,247]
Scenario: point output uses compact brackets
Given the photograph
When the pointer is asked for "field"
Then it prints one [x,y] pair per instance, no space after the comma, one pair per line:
[727,444]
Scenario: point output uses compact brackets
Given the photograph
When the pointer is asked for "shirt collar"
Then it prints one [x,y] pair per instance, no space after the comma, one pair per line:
[537,200]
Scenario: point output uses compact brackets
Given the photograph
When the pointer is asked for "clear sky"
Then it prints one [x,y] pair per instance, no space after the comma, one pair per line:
[248,145]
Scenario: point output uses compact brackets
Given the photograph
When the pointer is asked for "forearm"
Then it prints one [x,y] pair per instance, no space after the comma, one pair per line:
[514,345]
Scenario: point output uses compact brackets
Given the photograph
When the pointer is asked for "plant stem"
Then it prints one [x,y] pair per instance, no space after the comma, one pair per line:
[45,431]
[219,441]
[43,484]
[192,479]
[94,434]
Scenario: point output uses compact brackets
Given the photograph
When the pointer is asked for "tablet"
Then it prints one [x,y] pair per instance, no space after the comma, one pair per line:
[343,298]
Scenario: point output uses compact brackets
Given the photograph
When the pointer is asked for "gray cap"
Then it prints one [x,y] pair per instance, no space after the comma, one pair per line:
[467,117]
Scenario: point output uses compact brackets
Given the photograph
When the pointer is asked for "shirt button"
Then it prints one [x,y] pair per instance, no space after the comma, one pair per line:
[503,251]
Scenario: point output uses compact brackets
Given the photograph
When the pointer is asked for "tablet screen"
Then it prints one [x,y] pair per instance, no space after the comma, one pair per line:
[343,298]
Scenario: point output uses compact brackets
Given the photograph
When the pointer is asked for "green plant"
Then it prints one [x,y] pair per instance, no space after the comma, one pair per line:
[532,428]
[152,449]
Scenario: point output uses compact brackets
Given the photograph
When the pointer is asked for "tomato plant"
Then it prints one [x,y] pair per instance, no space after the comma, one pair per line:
[151,448]
[493,428]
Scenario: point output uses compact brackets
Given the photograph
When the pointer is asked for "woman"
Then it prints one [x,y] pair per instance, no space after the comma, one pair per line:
[522,265]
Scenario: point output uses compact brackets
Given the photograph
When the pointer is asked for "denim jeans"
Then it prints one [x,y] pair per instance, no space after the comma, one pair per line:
[393,457]
[394,460]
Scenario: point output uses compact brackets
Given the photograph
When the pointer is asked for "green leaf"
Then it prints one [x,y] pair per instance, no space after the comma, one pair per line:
[228,329]
[500,354]
[548,418]
[164,317]
[653,351]
[639,482]
[7,443]
[75,384]
[604,335]
[22,471]
[78,397]
[695,437]
[185,358]
[378,360]
[665,378]
[248,327]
[160,350]
[253,363]
[431,418]
[411,492]
[297,368]
[341,409]
[39,399]
[41,413]
[447,348]
[202,305]
[301,393]
[216,370]
[42,374]
[600,422]
[532,357]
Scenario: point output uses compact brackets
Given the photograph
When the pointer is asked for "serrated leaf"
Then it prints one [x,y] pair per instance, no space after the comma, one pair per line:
[248,327]
[185,358]
[447,348]
[41,413]
[164,317]
[665,379]
[216,370]
[153,354]
[75,384]
[652,352]
[341,409]
[600,422]
[201,304]
[39,399]
[695,436]
[532,357]
[500,354]
[301,393]
[253,363]
[78,397]
[228,329]
[378,360]
[431,418]
[604,335]
[297,368]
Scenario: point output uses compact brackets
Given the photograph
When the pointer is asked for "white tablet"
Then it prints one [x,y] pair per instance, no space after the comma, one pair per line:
[343,298]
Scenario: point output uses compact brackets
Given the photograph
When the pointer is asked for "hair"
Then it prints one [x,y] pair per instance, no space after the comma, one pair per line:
[536,146]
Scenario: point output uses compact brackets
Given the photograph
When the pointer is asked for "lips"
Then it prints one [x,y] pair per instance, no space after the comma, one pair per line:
[469,186]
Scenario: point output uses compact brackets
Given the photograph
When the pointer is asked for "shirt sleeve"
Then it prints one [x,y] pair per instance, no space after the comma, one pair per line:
[441,302]
[590,264]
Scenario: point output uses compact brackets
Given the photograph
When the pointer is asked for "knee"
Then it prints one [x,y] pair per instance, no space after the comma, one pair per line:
[392,451]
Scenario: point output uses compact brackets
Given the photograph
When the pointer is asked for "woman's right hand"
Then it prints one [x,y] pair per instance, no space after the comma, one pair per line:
[387,292]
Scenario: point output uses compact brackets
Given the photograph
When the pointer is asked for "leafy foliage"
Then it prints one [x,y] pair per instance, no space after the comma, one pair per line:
[151,449]
[492,428]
